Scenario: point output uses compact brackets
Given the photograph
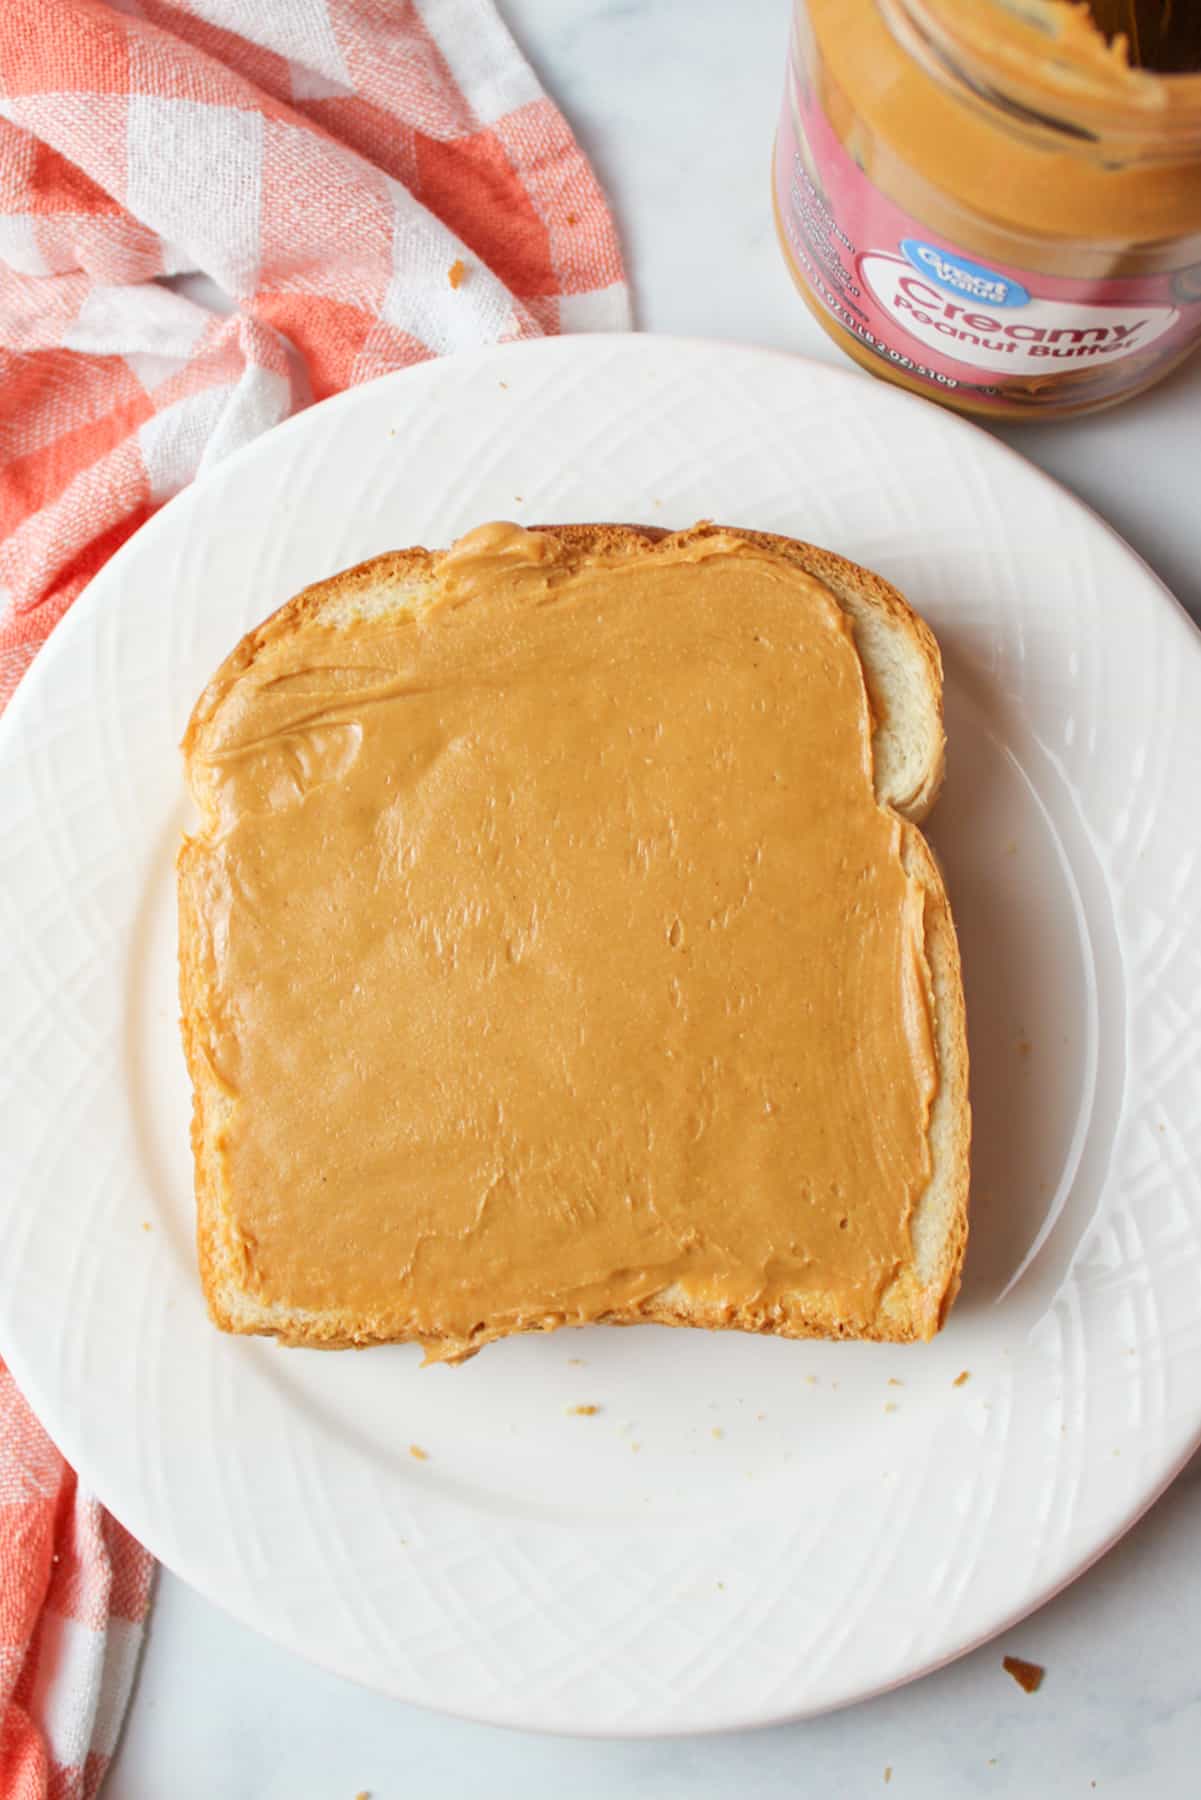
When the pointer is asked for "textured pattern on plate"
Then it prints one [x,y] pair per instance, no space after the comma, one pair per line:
[746,1530]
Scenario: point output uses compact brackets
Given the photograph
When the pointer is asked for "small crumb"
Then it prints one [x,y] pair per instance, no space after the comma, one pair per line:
[887,1773]
[576,1362]
[362,1795]
[893,1382]
[892,1406]
[573,218]
[418,1453]
[635,1448]
[518,499]
[658,502]
[456,272]
[146,1225]
[1024,1047]
[963,1375]
[1028,1675]
[718,1432]
[812,1380]
[582,1412]
[761,1416]
[504,384]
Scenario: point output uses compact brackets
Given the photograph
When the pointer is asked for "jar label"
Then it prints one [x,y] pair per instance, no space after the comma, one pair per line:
[951,318]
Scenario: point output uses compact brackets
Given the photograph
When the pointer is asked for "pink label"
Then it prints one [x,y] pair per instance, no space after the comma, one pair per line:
[948,317]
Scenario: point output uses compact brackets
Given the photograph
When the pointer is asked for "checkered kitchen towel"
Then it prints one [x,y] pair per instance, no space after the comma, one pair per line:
[74,1588]
[371,182]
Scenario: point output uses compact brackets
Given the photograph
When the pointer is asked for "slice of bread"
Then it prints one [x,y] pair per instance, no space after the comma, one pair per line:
[902,674]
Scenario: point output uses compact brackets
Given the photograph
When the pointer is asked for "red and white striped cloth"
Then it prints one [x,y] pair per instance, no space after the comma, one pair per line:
[327,163]
[371,183]
[74,1588]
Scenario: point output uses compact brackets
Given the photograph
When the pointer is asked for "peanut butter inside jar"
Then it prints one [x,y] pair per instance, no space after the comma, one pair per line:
[997,203]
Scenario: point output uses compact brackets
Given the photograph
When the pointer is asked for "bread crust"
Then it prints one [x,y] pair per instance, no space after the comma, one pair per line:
[915,1303]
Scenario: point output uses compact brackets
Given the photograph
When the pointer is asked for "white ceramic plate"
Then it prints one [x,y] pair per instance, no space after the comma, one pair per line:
[749,1530]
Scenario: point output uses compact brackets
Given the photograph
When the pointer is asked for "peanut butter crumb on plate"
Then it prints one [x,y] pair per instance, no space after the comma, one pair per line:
[1028,1675]
[582,1412]
[963,1375]
[456,272]
[418,1454]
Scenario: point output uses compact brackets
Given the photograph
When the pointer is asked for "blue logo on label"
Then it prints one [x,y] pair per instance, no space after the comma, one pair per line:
[971,279]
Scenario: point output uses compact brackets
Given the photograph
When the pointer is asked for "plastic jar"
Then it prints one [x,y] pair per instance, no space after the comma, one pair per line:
[983,201]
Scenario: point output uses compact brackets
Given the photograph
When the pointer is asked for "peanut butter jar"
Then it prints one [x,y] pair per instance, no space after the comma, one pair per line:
[997,203]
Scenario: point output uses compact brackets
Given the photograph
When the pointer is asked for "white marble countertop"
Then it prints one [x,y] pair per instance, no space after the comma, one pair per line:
[677,104]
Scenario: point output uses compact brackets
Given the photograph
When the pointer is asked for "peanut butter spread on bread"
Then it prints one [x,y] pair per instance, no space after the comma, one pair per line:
[557,952]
